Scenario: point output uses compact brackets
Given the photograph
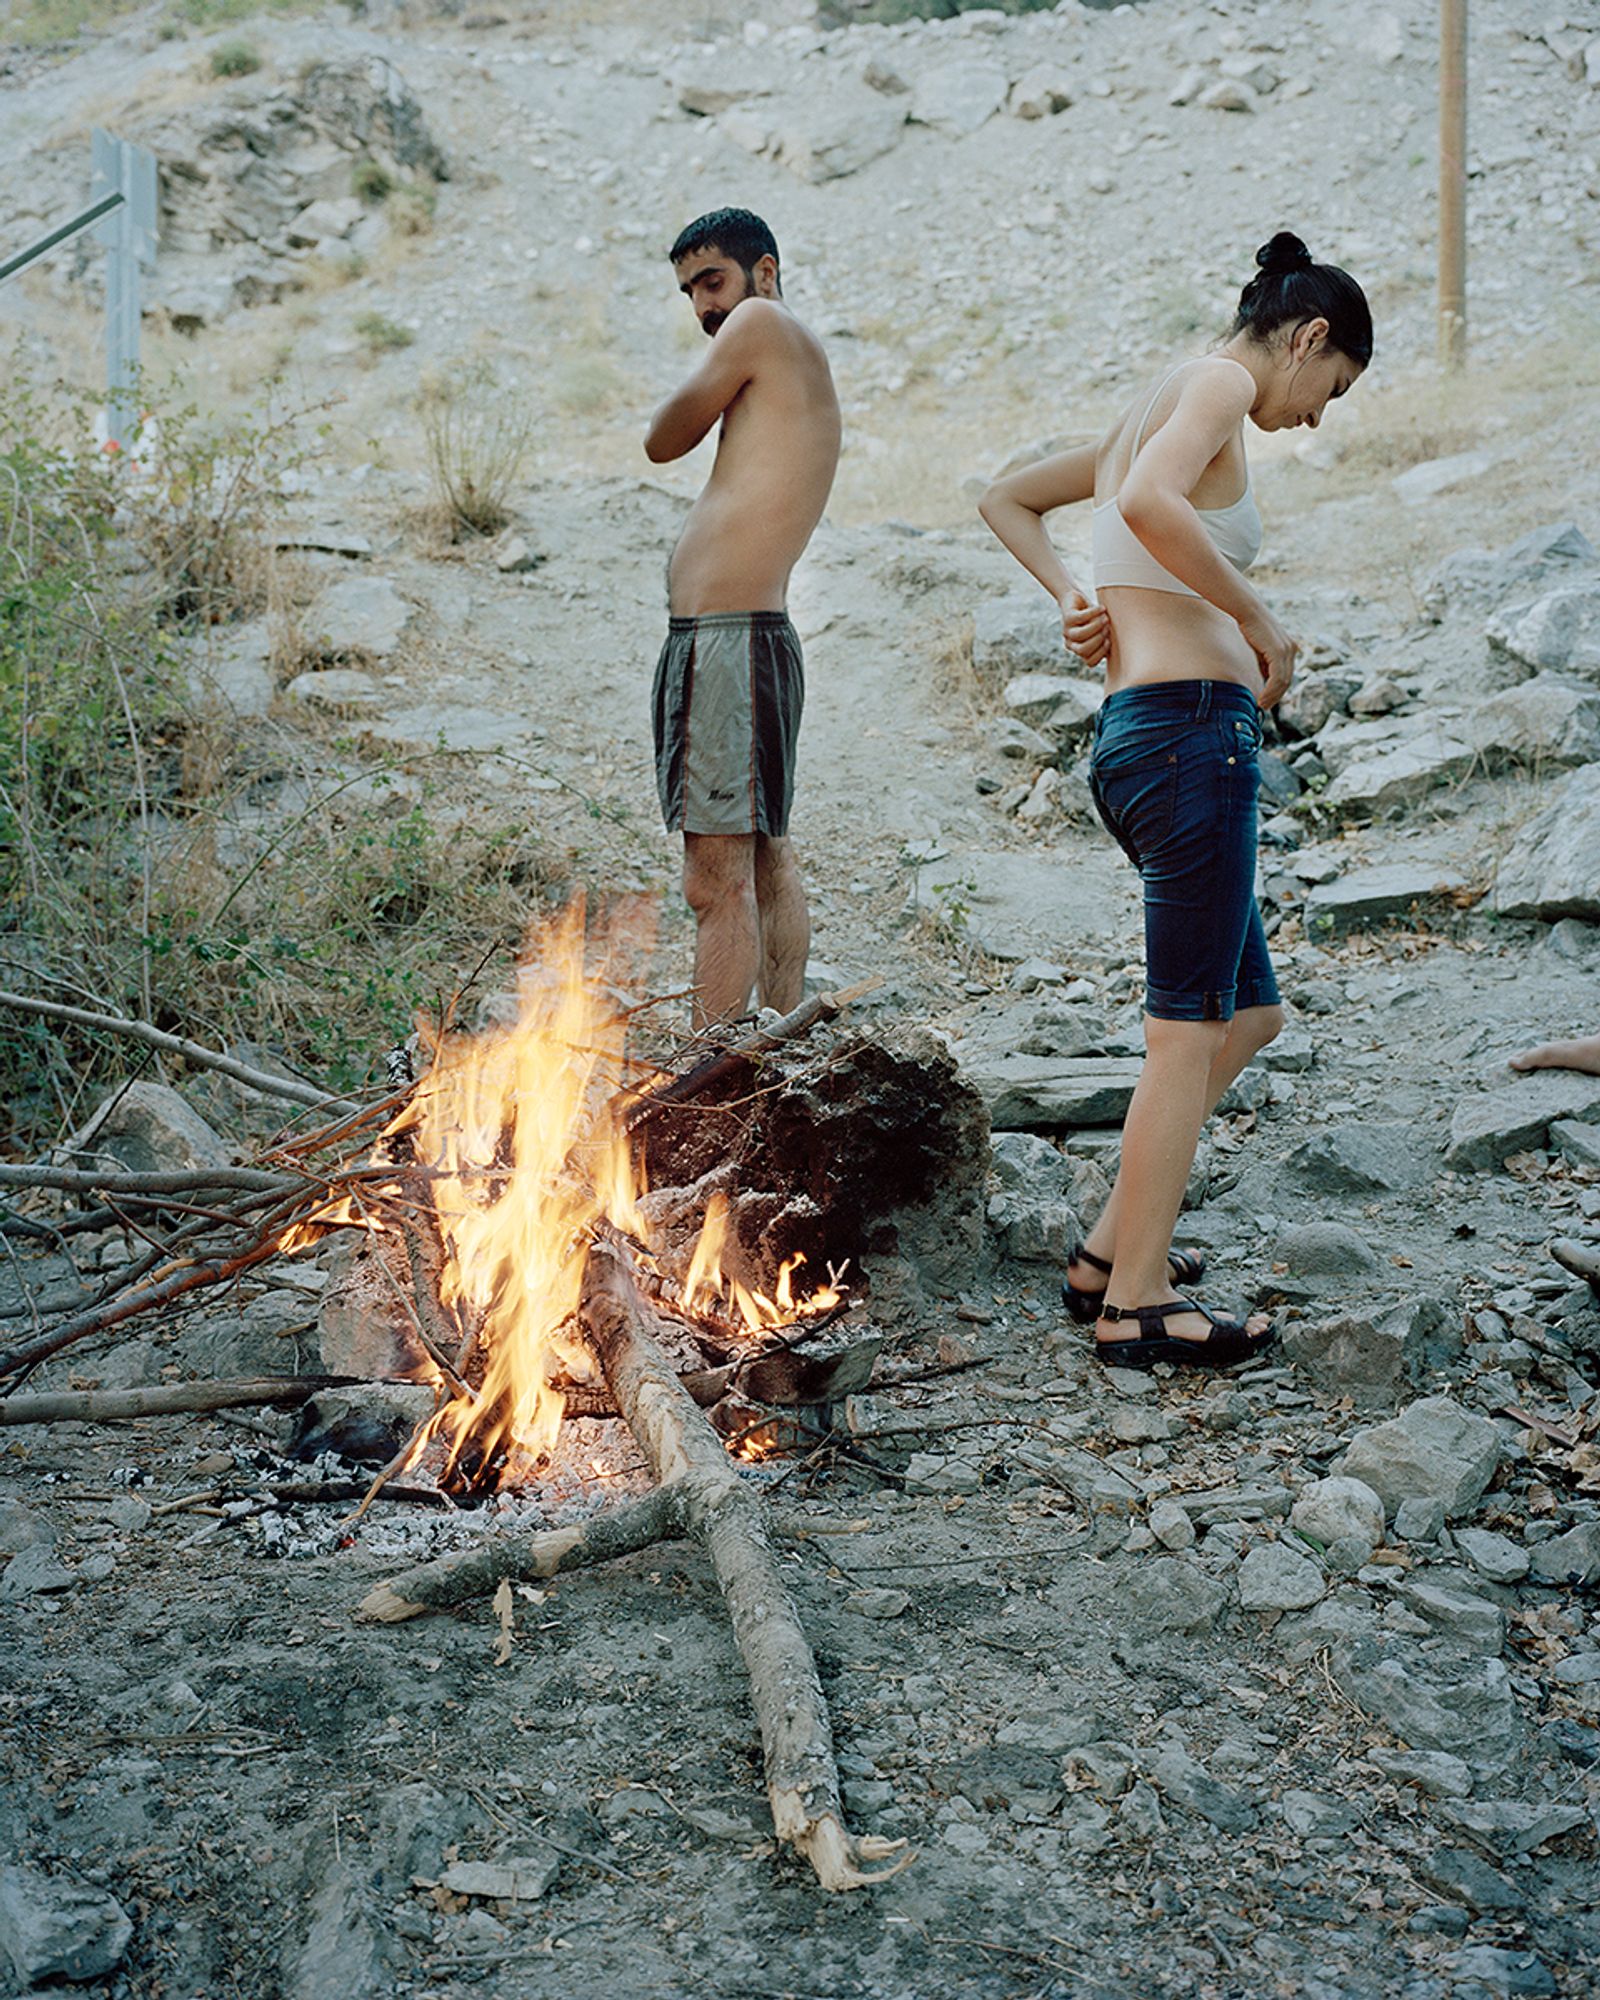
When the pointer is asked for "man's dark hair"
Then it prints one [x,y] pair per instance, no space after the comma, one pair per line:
[736,232]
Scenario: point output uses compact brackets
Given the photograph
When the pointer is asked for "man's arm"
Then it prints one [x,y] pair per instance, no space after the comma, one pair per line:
[690,411]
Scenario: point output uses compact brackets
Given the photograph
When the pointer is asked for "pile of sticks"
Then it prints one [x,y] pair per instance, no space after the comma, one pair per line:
[206,1227]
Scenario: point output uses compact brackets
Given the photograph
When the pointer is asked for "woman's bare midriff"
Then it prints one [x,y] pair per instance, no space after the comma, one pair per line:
[1158,636]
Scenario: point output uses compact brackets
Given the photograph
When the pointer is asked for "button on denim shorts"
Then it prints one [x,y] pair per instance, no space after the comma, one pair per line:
[1175,776]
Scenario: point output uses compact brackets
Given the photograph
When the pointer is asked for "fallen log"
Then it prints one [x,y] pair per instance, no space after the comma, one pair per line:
[723,1513]
[114,1406]
[1581,1259]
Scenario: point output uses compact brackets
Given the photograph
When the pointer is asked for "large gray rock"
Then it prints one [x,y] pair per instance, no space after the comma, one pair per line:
[1469,1712]
[1019,634]
[1369,896]
[1361,1159]
[1329,1509]
[347,1953]
[958,96]
[1496,1558]
[232,664]
[1485,1130]
[148,1128]
[1472,1622]
[1313,700]
[709,83]
[1045,1093]
[1548,723]
[1474,579]
[1188,1784]
[824,135]
[1055,704]
[1572,1558]
[1558,632]
[1433,1450]
[35,1571]
[1171,1594]
[1273,1578]
[361,616]
[1375,1358]
[1041,92]
[1326,1250]
[55,1929]
[1392,760]
[1551,870]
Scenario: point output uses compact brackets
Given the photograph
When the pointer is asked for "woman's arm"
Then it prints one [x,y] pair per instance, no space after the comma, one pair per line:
[1154,500]
[1015,507]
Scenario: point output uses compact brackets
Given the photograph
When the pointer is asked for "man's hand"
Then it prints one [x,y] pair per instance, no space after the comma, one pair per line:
[1275,654]
[1085,627]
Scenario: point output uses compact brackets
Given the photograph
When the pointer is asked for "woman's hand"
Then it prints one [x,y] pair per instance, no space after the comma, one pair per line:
[1275,653]
[1085,627]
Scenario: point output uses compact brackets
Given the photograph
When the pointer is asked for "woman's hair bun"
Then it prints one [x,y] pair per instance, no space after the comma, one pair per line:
[1284,253]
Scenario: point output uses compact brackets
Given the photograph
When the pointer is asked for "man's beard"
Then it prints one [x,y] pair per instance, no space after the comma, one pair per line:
[713,322]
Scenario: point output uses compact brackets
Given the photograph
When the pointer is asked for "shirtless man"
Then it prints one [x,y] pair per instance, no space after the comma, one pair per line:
[729,685]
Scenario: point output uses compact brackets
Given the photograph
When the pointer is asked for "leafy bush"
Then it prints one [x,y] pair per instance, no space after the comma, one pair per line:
[477,436]
[381,335]
[235,59]
[371,181]
[158,857]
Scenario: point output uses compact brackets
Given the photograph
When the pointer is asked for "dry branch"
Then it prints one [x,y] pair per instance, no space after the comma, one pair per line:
[679,1089]
[722,1512]
[453,1579]
[174,1045]
[111,1406]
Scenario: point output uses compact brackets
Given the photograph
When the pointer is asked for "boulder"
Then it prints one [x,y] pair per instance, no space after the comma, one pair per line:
[1325,1250]
[1471,1713]
[1572,1558]
[1375,1359]
[1369,896]
[1496,1558]
[1474,579]
[713,81]
[1473,1622]
[321,221]
[1550,871]
[337,691]
[958,96]
[1055,704]
[231,664]
[53,1929]
[1548,722]
[361,615]
[1017,635]
[148,1128]
[1558,632]
[823,136]
[1486,1130]
[1391,760]
[1361,1159]
[1273,1578]
[1040,92]
[1329,1509]
[1045,1093]
[1438,475]
[1433,1450]
[1312,701]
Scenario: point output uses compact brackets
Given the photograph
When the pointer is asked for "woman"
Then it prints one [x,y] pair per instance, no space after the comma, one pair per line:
[1191,655]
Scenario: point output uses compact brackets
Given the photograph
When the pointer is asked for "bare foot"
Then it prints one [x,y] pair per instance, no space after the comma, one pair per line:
[1584,1055]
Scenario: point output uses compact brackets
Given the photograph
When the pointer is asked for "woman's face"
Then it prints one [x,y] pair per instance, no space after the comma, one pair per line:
[1310,374]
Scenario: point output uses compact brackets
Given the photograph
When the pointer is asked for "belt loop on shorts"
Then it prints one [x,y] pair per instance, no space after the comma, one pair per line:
[1203,704]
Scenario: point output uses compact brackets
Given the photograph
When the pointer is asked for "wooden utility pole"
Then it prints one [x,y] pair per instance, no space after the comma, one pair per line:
[1452,182]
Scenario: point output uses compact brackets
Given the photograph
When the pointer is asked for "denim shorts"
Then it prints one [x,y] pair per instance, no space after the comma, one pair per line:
[1175,776]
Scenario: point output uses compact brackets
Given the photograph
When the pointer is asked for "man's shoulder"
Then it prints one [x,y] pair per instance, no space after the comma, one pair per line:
[768,324]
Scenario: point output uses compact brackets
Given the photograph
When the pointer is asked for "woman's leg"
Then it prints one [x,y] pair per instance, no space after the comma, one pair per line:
[1248,1033]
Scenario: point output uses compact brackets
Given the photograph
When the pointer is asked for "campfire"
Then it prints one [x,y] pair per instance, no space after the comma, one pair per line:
[543,1225]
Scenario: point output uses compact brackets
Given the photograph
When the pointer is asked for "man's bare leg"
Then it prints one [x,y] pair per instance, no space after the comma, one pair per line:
[1250,1030]
[785,924]
[1583,1054]
[719,885]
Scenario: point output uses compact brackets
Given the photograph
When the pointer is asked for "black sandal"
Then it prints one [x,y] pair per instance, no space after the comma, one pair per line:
[1227,1342]
[1188,1267]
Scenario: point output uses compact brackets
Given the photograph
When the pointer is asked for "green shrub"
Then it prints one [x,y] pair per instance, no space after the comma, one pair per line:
[371,181]
[381,335]
[235,59]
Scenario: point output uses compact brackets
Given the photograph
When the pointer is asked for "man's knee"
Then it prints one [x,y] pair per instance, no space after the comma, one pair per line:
[774,862]
[718,872]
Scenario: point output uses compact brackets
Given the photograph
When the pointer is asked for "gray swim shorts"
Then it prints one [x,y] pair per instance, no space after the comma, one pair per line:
[728,693]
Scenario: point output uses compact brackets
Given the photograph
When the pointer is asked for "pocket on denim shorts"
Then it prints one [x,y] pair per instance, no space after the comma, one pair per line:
[1138,803]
